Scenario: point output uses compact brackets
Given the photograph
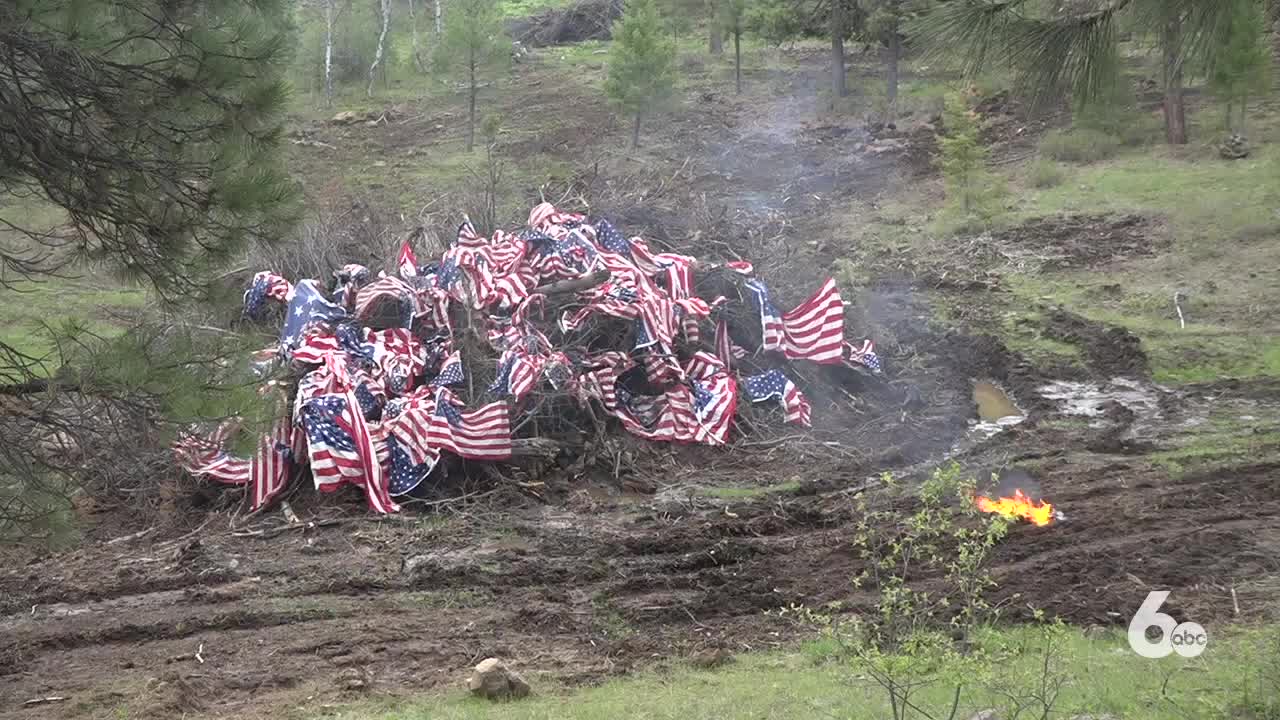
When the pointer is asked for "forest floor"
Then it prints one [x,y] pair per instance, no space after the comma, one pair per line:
[1160,443]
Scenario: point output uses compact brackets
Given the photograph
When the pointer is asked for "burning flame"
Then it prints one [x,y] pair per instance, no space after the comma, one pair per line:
[1018,506]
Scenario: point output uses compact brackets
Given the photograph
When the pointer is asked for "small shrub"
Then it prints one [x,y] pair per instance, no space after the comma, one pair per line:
[974,194]
[1046,173]
[1079,145]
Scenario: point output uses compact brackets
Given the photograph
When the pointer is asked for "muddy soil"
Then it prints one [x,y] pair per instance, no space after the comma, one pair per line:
[601,574]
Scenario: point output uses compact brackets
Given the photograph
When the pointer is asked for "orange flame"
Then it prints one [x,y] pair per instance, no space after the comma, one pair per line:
[1018,506]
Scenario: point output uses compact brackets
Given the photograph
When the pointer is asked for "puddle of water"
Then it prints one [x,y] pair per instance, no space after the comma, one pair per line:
[1087,399]
[993,404]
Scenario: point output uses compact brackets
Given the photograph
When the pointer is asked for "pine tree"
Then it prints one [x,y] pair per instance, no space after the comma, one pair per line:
[1075,46]
[1238,68]
[642,71]
[886,24]
[473,43]
[153,124]
[970,187]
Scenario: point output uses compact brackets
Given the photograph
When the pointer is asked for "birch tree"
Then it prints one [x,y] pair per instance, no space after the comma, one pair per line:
[330,11]
[413,24]
[382,41]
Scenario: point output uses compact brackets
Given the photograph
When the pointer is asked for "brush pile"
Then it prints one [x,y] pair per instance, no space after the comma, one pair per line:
[515,348]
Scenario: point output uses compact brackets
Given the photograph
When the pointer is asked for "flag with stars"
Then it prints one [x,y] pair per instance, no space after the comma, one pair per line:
[482,434]
[342,449]
[813,331]
[863,354]
[266,284]
[307,306]
[405,474]
[449,273]
[610,240]
[770,318]
[714,402]
[451,372]
[773,384]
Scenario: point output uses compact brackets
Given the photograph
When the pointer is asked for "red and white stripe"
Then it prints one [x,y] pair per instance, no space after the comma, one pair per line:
[330,469]
[815,329]
[407,263]
[384,288]
[483,434]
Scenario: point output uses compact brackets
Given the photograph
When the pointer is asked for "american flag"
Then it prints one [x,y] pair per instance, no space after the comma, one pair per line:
[467,235]
[387,289]
[545,214]
[342,449]
[568,256]
[714,402]
[518,374]
[272,465]
[266,284]
[610,240]
[407,263]
[266,473]
[726,349]
[451,371]
[405,474]
[742,267]
[370,394]
[347,282]
[862,354]
[449,274]
[773,384]
[679,269]
[482,434]
[307,306]
[813,331]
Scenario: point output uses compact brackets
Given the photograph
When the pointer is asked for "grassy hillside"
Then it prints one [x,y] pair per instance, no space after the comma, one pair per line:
[1098,674]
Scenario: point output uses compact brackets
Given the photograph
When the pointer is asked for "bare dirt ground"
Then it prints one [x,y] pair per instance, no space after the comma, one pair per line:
[601,574]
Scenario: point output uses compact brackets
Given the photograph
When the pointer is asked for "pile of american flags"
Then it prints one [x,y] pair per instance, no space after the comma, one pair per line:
[375,368]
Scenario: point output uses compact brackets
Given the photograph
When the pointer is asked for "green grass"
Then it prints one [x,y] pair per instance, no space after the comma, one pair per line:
[1199,352]
[1199,194]
[746,493]
[522,8]
[1102,676]
[1209,449]
[27,308]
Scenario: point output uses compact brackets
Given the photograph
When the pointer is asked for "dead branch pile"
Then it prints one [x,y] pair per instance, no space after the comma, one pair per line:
[512,355]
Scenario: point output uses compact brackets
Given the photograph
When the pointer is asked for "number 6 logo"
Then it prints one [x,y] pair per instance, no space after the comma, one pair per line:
[1187,639]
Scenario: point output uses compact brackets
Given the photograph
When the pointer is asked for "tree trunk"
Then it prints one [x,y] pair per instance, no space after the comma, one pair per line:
[471,98]
[838,87]
[382,39]
[635,133]
[439,18]
[1175,111]
[715,36]
[737,60]
[413,25]
[328,52]
[893,56]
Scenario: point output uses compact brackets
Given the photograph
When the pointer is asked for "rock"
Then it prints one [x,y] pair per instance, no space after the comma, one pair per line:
[711,658]
[1234,147]
[346,117]
[493,680]
[885,145]
[984,715]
